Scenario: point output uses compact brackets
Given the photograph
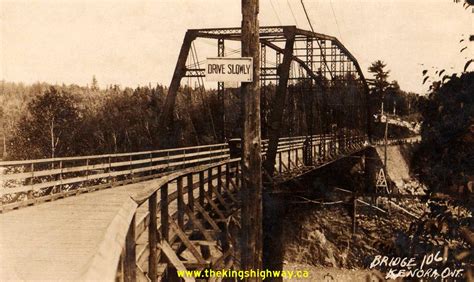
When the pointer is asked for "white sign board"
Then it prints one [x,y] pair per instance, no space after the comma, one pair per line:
[229,69]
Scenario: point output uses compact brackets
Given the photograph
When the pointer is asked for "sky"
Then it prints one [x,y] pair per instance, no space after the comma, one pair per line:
[136,42]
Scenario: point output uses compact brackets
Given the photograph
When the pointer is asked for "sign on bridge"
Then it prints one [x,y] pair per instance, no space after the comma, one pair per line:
[229,69]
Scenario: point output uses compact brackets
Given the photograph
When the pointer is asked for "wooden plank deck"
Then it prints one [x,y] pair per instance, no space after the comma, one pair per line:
[61,240]
[69,239]
[58,240]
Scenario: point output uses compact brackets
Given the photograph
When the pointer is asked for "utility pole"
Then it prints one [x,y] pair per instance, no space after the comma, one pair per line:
[251,217]
[382,115]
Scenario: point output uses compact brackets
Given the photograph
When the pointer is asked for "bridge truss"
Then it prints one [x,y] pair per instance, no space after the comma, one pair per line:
[309,83]
[312,57]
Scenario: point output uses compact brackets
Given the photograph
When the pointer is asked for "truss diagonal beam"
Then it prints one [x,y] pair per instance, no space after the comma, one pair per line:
[279,103]
[294,58]
[180,70]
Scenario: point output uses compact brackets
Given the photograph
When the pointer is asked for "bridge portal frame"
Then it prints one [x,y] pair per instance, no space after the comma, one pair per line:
[338,63]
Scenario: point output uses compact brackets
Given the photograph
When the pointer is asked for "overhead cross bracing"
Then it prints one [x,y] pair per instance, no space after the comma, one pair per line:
[339,60]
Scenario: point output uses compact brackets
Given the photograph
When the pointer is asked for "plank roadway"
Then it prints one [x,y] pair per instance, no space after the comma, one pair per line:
[58,240]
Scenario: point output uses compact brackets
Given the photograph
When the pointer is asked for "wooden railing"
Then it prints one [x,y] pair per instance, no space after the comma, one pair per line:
[28,182]
[179,206]
[172,211]
[314,151]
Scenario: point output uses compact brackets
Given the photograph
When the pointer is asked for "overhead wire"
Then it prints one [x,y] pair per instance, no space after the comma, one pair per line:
[232,51]
[202,89]
[307,16]
[274,11]
[323,56]
[335,19]
[292,13]
[190,107]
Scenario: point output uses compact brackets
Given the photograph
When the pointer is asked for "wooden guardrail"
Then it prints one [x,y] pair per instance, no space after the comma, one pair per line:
[315,150]
[172,210]
[29,182]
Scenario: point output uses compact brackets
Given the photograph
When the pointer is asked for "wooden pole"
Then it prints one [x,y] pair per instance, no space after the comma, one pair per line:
[385,157]
[251,251]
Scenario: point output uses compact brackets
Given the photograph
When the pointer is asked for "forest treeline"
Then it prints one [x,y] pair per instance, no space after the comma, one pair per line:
[43,120]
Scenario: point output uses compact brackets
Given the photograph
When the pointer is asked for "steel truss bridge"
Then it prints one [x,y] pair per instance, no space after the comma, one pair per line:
[141,216]
[299,65]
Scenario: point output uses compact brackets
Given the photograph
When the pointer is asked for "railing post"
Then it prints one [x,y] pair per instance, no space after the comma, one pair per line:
[201,188]
[179,185]
[227,177]
[31,181]
[289,159]
[219,179]
[61,176]
[210,157]
[151,164]
[342,148]
[184,158]
[153,237]
[296,156]
[315,146]
[32,173]
[190,192]
[320,150]
[110,172]
[323,147]
[279,162]
[237,176]
[130,266]
[130,168]
[209,182]
[164,213]
[87,170]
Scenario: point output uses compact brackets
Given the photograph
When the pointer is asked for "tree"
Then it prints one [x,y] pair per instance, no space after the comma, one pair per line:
[447,149]
[94,85]
[48,127]
[381,83]
[445,164]
[381,76]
